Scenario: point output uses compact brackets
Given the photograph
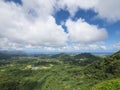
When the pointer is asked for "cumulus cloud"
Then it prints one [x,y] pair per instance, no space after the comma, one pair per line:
[116,46]
[106,9]
[81,31]
[5,44]
[73,5]
[39,8]
[79,47]
[32,24]
[17,26]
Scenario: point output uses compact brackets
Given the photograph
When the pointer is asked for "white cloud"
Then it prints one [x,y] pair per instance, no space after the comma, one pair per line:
[5,44]
[17,26]
[116,46]
[39,8]
[79,47]
[32,25]
[73,5]
[81,31]
[108,9]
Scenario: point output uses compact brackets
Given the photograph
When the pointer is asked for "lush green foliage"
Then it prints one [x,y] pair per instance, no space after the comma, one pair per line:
[116,55]
[80,59]
[60,72]
[104,69]
[108,85]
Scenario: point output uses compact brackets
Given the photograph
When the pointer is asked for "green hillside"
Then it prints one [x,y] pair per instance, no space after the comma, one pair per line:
[105,69]
[85,59]
[113,84]
[79,59]
[116,55]
[61,72]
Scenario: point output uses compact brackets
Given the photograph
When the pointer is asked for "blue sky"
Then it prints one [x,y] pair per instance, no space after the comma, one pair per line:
[60,26]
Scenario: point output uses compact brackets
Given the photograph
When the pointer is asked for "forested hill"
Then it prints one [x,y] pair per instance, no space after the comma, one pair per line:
[85,55]
[116,55]
[11,54]
[107,68]
[77,59]
[106,71]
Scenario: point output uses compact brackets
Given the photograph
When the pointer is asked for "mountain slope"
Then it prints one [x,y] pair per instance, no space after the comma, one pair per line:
[113,84]
[85,58]
[116,55]
[105,69]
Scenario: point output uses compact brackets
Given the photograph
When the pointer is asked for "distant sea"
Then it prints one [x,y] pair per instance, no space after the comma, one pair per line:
[103,53]
[53,53]
[96,53]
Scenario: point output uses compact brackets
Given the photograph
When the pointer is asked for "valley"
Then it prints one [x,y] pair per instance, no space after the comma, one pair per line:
[61,72]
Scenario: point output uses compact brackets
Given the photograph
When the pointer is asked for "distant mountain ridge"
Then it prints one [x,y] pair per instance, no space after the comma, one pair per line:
[79,59]
[85,55]
[11,54]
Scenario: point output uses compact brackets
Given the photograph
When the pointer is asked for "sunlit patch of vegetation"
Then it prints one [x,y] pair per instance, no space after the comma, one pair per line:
[113,84]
